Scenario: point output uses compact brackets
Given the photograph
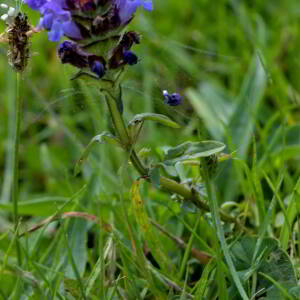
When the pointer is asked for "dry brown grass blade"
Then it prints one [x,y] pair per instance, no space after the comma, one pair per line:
[71,214]
[202,256]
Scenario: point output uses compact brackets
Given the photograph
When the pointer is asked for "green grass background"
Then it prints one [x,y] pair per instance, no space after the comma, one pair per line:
[237,65]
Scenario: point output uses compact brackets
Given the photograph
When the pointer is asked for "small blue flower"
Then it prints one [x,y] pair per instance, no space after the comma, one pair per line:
[98,68]
[130,58]
[173,99]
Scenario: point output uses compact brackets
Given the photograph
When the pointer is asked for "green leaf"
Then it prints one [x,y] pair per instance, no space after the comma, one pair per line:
[214,207]
[291,146]
[204,280]
[243,251]
[213,106]
[243,119]
[295,291]
[241,125]
[162,119]
[271,261]
[280,269]
[104,137]
[77,238]
[192,150]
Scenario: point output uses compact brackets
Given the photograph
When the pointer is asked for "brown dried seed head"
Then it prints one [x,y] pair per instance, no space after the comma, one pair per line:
[19,45]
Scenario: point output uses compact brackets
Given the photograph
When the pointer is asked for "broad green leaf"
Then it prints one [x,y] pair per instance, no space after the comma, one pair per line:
[243,251]
[77,239]
[280,269]
[104,137]
[192,150]
[241,125]
[271,261]
[242,122]
[162,119]
[213,106]
[295,291]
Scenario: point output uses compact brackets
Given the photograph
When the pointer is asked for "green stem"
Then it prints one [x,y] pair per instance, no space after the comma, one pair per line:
[123,134]
[15,164]
[118,121]
[166,183]
[137,163]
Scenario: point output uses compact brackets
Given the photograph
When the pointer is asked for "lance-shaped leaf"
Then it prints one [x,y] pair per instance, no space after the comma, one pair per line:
[162,119]
[192,150]
[103,138]
[136,124]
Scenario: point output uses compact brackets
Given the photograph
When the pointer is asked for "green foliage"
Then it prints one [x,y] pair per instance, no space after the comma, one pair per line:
[234,142]
[272,271]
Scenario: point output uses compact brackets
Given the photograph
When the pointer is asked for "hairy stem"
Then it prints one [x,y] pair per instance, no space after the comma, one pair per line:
[15,165]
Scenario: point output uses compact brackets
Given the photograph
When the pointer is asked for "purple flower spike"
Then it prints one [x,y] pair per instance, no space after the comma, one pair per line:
[172,100]
[130,58]
[56,19]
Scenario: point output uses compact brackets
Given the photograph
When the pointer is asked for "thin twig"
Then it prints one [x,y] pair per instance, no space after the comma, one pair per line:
[202,256]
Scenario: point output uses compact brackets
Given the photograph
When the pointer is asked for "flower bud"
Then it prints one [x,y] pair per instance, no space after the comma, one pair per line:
[173,99]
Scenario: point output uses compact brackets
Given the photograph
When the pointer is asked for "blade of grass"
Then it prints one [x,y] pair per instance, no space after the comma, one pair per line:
[282,207]
[292,212]
[257,185]
[213,203]
[203,282]
[268,218]
[74,267]
[187,252]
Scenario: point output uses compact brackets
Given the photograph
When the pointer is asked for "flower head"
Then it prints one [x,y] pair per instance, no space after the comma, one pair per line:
[79,19]
[99,47]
